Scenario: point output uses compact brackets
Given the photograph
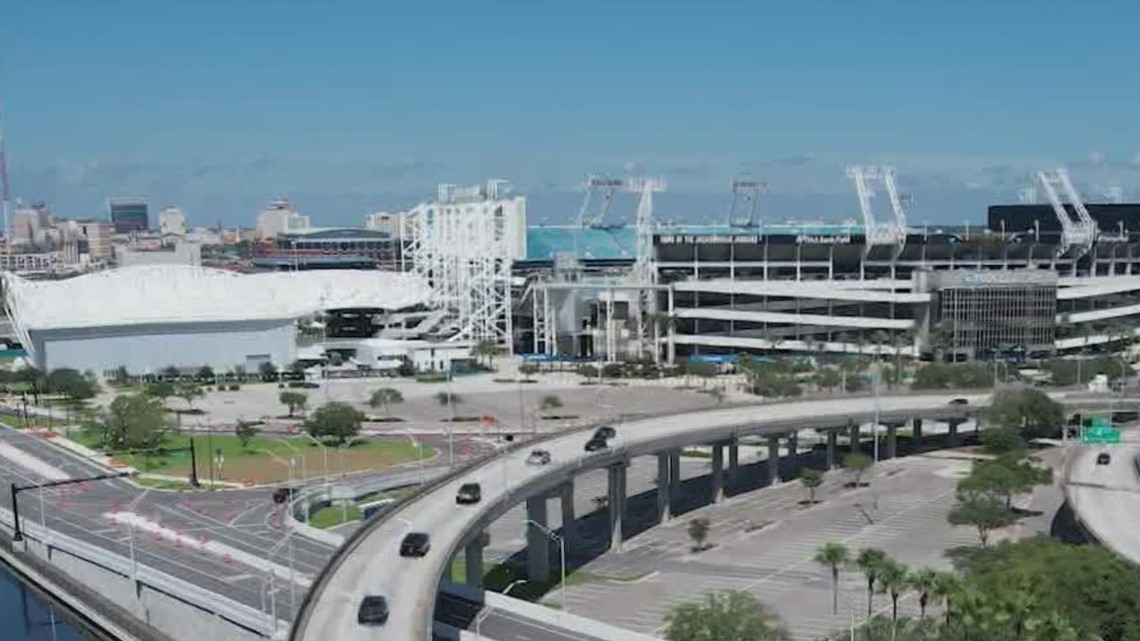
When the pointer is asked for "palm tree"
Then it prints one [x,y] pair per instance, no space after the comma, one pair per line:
[924,582]
[946,585]
[385,397]
[869,561]
[488,349]
[833,556]
[892,577]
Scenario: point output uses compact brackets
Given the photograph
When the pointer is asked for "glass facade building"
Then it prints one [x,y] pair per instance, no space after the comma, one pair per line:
[129,215]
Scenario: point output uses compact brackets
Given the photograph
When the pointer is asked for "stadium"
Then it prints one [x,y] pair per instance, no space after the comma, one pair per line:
[1033,281]
[147,318]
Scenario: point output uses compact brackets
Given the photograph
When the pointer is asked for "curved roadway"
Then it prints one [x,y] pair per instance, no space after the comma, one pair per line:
[1106,498]
[370,563]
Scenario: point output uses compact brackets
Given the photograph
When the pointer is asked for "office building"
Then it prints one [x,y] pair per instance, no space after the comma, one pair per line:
[128,215]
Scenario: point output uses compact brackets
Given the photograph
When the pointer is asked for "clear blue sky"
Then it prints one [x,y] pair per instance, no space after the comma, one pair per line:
[345,106]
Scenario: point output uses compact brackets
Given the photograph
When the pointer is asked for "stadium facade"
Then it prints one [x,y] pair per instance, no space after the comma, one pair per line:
[1022,286]
[148,318]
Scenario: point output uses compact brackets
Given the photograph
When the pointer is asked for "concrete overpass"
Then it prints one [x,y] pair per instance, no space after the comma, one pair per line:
[369,563]
[1106,498]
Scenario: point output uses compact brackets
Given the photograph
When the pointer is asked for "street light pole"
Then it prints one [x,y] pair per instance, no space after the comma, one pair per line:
[561,554]
[324,453]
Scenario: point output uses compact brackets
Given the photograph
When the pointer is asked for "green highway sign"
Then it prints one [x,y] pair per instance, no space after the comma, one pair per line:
[1101,431]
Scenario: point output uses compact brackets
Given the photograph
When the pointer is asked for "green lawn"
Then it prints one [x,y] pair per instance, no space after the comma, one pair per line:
[170,484]
[266,457]
[333,516]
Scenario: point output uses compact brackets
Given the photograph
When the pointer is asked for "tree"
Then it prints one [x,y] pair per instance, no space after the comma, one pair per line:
[171,373]
[718,394]
[892,578]
[702,370]
[385,397]
[1002,441]
[527,370]
[294,400]
[925,583]
[447,398]
[698,532]
[1002,478]
[206,374]
[858,463]
[870,561]
[268,371]
[726,616]
[984,513]
[550,402]
[72,384]
[133,422]
[339,421]
[1030,411]
[833,556]
[245,433]
[811,479]
[486,349]
[34,378]
[188,392]
[827,378]
[160,390]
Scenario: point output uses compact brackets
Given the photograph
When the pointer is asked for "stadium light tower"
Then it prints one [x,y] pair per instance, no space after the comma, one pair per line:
[745,194]
[599,197]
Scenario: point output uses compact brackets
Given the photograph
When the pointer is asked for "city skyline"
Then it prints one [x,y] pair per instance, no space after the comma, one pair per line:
[221,109]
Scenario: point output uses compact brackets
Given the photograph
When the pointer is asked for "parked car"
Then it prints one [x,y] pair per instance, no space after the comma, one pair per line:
[959,401]
[373,610]
[415,544]
[469,493]
[595,444]
[605,432]
[1103,458]
[538,457]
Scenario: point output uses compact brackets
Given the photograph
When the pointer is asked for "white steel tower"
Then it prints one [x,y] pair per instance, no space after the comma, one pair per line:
[1078,229]
[893,232]
[463,244]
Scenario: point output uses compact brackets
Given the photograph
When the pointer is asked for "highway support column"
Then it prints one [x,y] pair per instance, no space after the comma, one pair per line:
[616,504]
[473,561]
[733,463]
[537,543]
[717,472]
[566,503]
[832,443]
[916,434]
[853,437]
[773,460]
[665,486]
[793,451]
[952,435]
[892,440]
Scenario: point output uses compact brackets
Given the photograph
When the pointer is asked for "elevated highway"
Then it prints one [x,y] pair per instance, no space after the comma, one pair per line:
[370,563]
[1106,498]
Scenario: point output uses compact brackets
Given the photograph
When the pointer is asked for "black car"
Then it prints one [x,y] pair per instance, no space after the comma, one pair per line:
[1103,458]
[283,494]
[959,401]
[538,457]
[605,433]
[373,610]
[469,493]
[415,544]
[595,444]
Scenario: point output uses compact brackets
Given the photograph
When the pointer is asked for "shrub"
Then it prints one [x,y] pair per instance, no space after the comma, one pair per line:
[234,387]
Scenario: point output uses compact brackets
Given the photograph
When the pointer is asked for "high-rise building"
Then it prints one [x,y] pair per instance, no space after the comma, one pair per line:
[280,218]
[172,222]
[128,215]
[98,235]
[29,224]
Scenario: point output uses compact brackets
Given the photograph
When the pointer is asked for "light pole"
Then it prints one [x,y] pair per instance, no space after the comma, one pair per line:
[324,453]
[301,455]
[342,448]
[561,554]
[419,455]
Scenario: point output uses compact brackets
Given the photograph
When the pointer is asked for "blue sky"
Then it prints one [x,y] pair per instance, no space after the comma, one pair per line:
[348,106]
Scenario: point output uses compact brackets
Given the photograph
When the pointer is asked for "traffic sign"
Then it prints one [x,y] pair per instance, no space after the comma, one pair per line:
[1101,431]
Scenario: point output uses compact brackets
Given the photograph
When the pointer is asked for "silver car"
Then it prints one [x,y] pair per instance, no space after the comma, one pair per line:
[538,457]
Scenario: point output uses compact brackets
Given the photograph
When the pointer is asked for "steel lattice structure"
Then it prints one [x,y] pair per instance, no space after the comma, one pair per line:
[461,245]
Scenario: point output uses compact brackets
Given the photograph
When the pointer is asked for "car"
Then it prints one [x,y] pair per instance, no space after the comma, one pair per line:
[605,433]
[595,444]
[415,544]
[538,457]
[373,610]
[959,401]
[469,493]
[283,494]
[1103,458]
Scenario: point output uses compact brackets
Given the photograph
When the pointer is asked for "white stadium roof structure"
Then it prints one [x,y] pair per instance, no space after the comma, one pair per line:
[154,294]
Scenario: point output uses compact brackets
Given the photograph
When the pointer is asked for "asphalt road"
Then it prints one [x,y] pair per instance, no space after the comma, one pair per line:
[1106,498]
[186,525]
[374,565]
[499,624]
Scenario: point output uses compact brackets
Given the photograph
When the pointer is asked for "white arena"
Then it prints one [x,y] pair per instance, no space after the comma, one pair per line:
[147,318]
